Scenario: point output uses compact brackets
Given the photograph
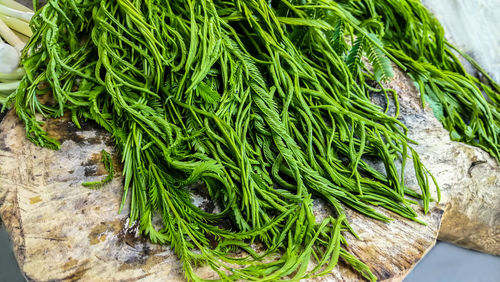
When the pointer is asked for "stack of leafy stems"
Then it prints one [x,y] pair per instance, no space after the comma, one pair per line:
[266,104]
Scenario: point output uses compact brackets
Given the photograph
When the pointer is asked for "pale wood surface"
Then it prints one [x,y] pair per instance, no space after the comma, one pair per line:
[468,177]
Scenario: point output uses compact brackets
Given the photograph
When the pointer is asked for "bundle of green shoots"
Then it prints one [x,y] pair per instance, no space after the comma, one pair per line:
[265,105]
[14,33]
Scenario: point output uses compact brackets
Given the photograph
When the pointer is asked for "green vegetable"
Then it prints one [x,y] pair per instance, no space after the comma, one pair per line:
[8,86]
[8,35]
[108,165]
[12,12]
[9,59]
[10,73]
[14,5]
[264,104]
[17,25]
[15,75]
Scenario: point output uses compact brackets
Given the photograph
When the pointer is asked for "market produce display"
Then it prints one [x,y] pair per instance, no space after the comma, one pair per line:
[266,104]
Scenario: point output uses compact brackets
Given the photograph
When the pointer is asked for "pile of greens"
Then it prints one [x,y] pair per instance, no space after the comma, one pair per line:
[265,103]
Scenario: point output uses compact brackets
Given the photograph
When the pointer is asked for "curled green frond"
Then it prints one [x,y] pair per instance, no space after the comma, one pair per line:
[107,162]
